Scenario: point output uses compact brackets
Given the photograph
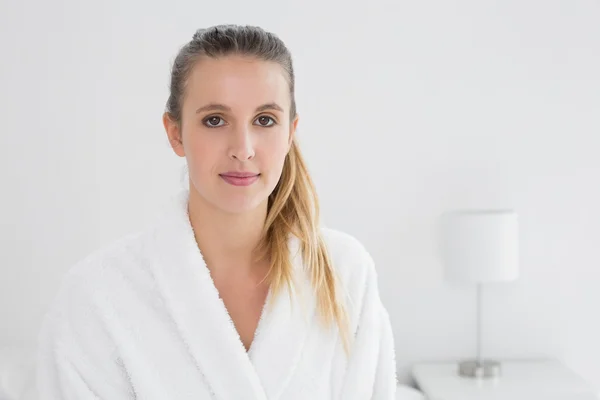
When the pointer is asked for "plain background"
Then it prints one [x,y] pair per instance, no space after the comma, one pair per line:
[407,109]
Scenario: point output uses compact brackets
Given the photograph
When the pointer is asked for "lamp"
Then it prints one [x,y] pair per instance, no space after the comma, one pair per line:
[479,246]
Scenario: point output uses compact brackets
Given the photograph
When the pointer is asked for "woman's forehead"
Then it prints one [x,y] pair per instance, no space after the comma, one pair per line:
[237,80]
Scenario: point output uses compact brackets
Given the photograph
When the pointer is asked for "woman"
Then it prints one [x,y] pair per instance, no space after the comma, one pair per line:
[237,293]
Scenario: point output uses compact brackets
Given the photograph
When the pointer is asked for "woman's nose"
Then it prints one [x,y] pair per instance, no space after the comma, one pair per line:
[242,147]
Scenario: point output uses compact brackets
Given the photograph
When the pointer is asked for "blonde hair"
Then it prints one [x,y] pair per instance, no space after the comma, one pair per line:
[293,206]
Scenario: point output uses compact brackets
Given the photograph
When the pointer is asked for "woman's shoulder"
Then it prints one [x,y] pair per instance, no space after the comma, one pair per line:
[96,273]
[126,250]
[342,242]
[349,256]
[88,294]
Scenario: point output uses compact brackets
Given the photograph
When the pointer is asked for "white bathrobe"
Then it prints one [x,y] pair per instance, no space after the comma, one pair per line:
[141,319]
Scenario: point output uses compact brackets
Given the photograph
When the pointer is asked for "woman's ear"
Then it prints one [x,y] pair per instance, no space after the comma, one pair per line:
[174,134]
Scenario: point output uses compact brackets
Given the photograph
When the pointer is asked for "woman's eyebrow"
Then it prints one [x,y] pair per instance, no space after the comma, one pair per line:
[269,106]
[222,107]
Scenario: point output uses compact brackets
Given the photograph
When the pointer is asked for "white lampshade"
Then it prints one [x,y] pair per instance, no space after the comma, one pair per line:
[480,246]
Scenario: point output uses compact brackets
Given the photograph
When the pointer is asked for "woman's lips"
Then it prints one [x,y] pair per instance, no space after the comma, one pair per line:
[240,180]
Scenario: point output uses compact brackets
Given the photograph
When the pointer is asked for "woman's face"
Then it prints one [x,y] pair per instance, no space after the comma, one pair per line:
[235,121]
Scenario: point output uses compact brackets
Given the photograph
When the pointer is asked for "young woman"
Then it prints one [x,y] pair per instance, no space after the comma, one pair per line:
[238,292]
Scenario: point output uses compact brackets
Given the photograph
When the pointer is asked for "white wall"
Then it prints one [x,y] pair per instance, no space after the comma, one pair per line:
[407,109]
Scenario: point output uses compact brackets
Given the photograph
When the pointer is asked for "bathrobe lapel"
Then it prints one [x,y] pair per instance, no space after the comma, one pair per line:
[282,331]
[202,320]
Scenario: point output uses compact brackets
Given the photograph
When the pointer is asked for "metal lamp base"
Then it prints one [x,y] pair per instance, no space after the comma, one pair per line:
[474,369]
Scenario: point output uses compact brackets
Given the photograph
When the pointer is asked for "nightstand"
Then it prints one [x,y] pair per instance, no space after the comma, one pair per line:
[520,380]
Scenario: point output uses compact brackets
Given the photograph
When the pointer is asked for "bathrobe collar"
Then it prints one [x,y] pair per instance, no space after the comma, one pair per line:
[189,293]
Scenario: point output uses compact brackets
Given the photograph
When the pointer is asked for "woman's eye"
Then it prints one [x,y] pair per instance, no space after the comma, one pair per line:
[213,122]
[264,121]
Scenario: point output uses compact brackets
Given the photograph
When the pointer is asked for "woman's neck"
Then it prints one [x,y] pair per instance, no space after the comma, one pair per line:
[226,240]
